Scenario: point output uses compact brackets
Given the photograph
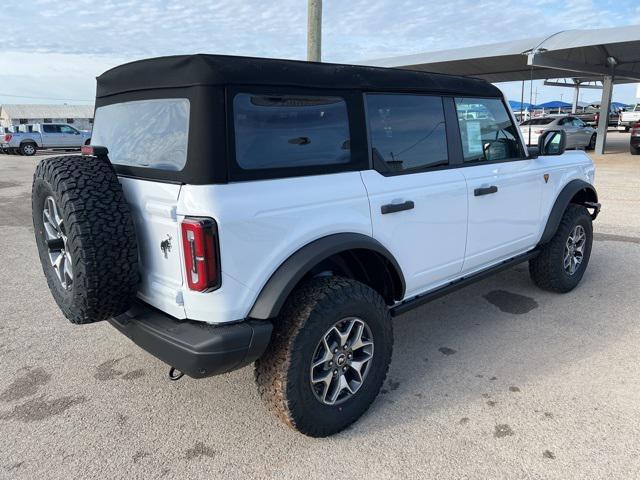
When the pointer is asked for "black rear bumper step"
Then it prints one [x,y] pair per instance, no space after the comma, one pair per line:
[195,348]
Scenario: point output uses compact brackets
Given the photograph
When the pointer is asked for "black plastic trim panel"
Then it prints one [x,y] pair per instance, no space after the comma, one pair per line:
[462,282]
[286,277]
[561,204]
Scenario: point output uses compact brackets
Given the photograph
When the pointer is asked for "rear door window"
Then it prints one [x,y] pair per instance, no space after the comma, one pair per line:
[488,134]
[50,129]
[407,132]
[144,133]
[289,131]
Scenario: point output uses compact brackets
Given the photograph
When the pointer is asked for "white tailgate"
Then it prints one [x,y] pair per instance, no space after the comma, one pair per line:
[153,206]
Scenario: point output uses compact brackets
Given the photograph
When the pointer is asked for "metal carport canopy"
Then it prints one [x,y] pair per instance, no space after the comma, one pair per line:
[611,55]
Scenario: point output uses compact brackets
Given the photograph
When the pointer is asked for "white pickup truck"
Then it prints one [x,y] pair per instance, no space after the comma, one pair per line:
[45,135]
[629,118]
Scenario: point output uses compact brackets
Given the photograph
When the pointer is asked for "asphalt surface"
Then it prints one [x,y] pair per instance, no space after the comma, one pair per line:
[497,381]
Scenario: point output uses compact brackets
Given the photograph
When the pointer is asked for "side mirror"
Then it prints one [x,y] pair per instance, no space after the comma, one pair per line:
[552,142]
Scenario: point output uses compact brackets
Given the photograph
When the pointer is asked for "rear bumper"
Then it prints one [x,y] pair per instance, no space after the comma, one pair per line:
[195,348]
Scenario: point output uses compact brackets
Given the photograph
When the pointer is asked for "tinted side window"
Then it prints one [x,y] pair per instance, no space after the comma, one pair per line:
[407,132]
[50,128]
[486,129]
[67,129]
[290,131]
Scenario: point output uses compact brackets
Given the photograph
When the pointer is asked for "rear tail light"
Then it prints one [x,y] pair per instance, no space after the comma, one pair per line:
[7,137]
[94,151]
[635,130]
[200,245]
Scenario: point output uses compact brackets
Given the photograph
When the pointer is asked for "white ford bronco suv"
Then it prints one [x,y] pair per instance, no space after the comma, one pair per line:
[233,209]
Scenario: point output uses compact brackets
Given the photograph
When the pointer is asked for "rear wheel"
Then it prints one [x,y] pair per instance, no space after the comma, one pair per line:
[634,150]
[562,262]
[28,149]
[328,357]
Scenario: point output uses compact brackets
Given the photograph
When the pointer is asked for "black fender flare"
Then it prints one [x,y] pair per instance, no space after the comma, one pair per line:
[275,292]
[562,202]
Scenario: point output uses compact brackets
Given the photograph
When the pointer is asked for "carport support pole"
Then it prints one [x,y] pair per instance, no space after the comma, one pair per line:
[314,30]
[603,121]
[576,95]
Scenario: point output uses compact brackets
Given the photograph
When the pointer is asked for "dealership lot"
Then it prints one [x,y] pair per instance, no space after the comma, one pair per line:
[499,380]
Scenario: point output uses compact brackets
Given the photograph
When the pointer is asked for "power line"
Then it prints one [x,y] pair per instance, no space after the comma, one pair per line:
[46,98]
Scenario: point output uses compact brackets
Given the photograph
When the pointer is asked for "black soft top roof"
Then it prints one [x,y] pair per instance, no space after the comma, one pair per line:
[220,70]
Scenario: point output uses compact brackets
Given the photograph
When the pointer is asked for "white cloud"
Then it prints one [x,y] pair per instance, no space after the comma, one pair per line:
[74,40]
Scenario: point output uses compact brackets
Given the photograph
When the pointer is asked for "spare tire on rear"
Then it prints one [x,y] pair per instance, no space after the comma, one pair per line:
[85,237]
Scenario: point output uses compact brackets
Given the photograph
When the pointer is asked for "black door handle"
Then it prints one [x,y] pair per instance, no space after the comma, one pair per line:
[485,190]
[396,207]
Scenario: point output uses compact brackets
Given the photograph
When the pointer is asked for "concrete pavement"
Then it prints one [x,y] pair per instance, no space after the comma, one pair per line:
[499,380]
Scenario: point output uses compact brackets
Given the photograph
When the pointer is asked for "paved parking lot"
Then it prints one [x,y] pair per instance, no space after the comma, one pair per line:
[500,380]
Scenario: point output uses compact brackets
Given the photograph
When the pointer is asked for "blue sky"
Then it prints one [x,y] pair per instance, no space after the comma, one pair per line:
[53,49]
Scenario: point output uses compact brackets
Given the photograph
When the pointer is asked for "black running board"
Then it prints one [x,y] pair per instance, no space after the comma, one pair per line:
[421,299]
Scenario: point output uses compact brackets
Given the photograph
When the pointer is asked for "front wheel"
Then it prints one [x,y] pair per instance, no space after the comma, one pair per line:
[562,262]
[328,357]
[592,143]
[634,150]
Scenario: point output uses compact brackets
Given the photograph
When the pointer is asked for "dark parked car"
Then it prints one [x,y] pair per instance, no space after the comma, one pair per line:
[591,115]
[634,143]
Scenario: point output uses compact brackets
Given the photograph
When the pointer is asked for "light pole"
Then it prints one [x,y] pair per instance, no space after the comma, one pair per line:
[314,30]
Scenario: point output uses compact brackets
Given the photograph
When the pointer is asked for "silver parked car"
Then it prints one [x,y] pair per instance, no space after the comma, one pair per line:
[579,134]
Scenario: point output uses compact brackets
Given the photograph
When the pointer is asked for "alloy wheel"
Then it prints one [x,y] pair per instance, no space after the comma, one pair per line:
[341,361]
[56,240]
[574,250]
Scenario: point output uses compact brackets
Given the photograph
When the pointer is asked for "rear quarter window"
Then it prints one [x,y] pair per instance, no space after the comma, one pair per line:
[144,133]
[289,131]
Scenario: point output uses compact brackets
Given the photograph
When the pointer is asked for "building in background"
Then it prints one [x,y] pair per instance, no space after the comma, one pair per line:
[80,116]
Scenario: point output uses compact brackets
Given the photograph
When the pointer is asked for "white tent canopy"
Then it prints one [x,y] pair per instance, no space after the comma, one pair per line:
[609,54]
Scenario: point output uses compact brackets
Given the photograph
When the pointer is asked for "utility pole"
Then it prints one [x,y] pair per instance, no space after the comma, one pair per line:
[314,30]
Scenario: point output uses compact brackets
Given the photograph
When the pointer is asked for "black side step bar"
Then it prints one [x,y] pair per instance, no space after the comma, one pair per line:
[419,300]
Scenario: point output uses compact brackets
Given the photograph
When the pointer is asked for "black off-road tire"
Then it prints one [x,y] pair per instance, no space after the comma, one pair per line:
[283,372]
[546,269]
[100,236]
[634,150]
